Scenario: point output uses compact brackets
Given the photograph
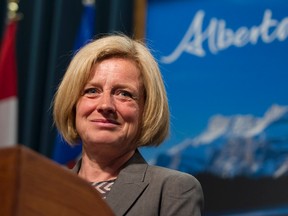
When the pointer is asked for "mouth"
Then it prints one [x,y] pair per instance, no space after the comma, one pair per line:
[106,121]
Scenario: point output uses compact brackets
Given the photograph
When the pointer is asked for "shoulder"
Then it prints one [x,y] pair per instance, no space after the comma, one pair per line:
[180,192]
[170,177]
[164,172]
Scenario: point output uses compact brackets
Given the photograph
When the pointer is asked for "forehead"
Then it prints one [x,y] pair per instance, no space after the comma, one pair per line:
[116,68]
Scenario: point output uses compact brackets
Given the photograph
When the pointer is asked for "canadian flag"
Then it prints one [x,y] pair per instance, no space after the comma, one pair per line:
[8,87]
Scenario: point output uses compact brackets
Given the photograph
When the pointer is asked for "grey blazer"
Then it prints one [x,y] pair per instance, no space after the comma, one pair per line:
[145,190]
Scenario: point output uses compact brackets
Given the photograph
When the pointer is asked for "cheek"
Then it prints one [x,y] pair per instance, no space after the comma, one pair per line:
[78,114]
[83,110]
[84,107]
[129,113]
[134,115]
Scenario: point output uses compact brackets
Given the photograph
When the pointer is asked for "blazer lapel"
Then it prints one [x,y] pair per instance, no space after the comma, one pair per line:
[129,185]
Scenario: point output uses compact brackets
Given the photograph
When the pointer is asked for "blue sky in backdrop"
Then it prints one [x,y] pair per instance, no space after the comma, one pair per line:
[218,57]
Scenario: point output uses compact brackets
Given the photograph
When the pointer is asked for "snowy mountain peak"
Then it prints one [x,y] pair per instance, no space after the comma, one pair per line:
[237,145]
[239,125]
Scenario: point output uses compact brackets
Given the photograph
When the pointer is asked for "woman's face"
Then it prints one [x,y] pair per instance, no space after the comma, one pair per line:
[110,109]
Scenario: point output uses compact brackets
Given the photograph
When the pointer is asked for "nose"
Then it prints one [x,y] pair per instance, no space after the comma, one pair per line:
[106,104]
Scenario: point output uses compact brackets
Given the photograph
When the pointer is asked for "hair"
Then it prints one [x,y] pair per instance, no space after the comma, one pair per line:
[154,127]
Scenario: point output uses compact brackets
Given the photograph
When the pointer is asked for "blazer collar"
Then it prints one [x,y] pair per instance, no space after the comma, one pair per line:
[136,164]
[129,184]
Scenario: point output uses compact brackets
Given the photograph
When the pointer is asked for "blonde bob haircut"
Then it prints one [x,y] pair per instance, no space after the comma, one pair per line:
[155,122]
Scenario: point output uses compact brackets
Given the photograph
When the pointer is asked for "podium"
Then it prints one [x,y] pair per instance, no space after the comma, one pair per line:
[31,184]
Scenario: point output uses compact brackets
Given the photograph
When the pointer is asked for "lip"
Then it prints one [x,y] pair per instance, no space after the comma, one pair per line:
[106,121]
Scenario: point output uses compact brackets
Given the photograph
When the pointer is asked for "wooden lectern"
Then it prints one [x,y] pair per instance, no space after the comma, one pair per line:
[31,184]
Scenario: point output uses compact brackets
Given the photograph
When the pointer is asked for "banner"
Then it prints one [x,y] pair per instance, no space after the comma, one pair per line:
[225,64]
[8,87]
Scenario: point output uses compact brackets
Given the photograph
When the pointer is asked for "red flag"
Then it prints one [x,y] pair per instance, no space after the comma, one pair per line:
[8,87]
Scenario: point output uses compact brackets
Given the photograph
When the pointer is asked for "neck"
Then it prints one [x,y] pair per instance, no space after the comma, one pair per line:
[95,168]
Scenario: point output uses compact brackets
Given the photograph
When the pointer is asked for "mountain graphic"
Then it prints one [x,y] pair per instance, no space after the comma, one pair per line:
[238,145]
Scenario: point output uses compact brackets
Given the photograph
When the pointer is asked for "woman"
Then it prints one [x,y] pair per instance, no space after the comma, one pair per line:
[113,99]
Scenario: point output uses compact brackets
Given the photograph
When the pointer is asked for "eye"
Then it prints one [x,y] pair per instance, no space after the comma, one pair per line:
[90,91]
[125,94]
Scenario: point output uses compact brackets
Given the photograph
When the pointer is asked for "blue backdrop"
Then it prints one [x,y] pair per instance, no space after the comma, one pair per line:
[225,68]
